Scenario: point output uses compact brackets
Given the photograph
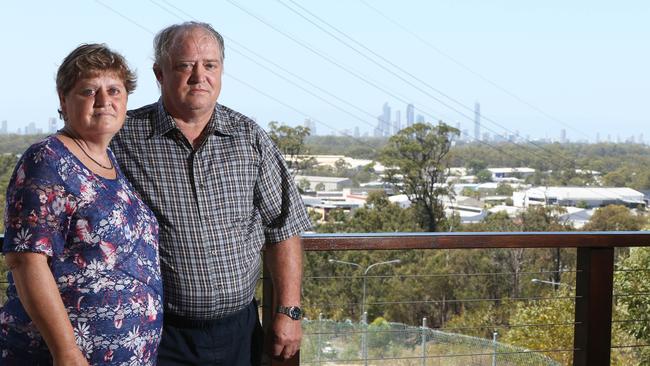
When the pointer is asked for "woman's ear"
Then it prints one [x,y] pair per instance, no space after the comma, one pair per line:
[62,109]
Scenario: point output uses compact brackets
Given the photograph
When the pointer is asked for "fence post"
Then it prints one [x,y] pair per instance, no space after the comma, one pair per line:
[424,341]
[364,338]
[267,318]
[495,334]
[593,311]
[318,343]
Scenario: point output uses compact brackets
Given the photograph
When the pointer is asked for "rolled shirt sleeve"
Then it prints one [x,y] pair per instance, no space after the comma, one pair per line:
[281,208]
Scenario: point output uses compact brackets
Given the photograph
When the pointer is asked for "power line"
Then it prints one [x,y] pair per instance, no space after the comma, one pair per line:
[395,66]
[329,59]
[348,70]
[468,69]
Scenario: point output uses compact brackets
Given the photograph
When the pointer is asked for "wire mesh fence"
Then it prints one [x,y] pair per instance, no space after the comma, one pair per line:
[329,342]
[480,310]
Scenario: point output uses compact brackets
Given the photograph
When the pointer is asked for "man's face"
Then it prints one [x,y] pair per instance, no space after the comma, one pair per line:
[190,78]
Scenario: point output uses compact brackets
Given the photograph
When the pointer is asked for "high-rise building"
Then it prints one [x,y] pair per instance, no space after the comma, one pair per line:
[477,121]
[311,125]
[397,123]
[3,128]
[410,115]
[52,125]
[563,135]
[383,122]
[30,129]
[356,131]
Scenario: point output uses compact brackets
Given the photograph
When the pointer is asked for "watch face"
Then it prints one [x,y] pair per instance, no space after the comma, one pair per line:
[295,313]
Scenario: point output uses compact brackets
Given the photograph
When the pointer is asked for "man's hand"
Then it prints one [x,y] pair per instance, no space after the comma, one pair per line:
[284,260]
[287,334]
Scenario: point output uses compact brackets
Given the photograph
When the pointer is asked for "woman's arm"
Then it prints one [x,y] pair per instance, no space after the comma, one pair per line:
[40,297]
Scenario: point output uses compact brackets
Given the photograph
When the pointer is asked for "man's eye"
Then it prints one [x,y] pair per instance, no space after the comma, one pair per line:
[211,65]
[184,66]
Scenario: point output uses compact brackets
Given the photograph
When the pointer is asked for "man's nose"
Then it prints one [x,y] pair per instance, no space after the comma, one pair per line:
[198,73]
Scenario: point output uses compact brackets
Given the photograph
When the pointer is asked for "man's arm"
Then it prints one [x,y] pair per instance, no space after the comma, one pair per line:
[284,260]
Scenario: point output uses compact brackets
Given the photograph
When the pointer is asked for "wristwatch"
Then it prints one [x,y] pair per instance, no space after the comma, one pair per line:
[293,312]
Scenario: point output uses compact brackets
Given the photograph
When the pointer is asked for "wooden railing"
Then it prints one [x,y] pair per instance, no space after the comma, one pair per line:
[594,273]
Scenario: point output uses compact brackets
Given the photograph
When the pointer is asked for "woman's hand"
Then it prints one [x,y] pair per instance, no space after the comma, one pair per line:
[72,358]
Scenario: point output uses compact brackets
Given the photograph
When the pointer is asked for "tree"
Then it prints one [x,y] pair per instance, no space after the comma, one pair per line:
[416,161]
[559,311]
[614,218]
[291,142]
[504,189]
[342,168]
[381,215]
[475,166]
[632,277]
[304,185]
[484,176]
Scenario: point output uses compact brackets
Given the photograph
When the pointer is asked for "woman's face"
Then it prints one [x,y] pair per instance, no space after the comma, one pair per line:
[95,106]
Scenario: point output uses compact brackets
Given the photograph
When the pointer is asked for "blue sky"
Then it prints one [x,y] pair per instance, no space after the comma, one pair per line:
[583,64]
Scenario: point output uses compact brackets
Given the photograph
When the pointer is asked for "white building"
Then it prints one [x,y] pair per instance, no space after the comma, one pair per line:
[324,183]
[587,197]
[510,174]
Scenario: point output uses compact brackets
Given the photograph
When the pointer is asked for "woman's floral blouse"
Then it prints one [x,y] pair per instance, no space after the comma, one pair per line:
[102,244]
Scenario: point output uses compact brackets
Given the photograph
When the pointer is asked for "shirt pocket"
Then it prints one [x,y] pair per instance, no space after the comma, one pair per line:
[235,189]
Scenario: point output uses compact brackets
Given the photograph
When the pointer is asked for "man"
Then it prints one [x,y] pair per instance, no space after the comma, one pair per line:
[220,189]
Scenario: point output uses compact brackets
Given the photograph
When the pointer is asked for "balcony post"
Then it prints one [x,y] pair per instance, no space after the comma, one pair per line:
[593,311]
[268,304]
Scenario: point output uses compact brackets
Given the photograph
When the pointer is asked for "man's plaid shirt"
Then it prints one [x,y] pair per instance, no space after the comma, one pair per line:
[216,205]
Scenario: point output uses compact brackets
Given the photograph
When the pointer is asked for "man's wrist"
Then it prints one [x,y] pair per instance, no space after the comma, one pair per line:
[294,312]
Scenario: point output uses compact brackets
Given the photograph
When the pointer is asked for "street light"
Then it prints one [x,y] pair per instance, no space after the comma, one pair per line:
[555,284]
[363,299]
[365,273]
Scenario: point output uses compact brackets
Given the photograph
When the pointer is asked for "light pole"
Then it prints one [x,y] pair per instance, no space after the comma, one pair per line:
[555,284]
[364,342]
[365,273]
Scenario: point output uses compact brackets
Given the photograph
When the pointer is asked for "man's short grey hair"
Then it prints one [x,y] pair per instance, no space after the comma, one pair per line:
[164,40]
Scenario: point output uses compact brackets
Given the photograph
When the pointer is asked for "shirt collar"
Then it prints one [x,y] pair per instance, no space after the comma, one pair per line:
[220,121]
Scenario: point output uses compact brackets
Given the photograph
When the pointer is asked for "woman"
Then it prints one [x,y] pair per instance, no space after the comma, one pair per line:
[82,248]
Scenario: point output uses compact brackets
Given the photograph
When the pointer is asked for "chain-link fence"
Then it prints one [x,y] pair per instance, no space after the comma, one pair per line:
[328,342]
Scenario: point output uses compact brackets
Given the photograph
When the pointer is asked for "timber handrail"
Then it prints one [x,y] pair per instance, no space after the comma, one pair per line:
[475,240]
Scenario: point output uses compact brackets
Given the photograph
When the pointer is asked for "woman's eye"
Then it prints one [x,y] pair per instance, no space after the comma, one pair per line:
[114,91]
[88,92]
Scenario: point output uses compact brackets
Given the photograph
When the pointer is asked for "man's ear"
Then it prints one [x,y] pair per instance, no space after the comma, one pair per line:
[157,70]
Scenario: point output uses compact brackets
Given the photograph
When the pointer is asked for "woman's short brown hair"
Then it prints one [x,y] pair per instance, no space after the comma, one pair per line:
[89,60]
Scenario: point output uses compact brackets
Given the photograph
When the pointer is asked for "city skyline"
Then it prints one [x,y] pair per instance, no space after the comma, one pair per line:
[388,123]
[585,74]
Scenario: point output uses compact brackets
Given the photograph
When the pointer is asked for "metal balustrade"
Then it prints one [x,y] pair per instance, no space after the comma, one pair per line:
[591,295]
